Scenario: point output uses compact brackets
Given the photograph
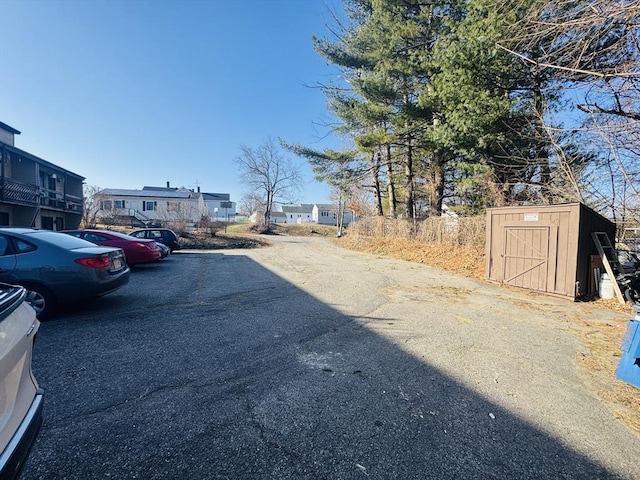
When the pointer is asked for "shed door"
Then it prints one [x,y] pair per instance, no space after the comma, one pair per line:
[530,257]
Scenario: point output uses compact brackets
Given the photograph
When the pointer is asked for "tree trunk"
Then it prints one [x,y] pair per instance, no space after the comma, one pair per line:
[409,185]
[391,188]
[375,160]
[436,185]
[340,218]
[267,209]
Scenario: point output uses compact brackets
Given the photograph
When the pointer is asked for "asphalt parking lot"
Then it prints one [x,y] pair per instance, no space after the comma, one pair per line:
[305,361]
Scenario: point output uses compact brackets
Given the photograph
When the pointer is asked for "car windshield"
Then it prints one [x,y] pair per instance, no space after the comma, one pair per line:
[61,239]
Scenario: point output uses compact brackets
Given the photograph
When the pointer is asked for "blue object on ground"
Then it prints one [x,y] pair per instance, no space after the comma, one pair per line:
[629,367]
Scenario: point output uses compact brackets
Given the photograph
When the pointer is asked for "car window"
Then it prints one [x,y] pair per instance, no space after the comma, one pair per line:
[60,239]
[3,245]
[137,234]
[94,237]
[23,247]
[155,234]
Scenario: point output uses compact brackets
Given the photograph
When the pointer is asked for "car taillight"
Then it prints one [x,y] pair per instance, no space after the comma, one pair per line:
[94,262]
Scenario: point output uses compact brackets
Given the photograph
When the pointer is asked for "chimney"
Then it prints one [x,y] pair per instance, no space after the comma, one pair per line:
[168,186]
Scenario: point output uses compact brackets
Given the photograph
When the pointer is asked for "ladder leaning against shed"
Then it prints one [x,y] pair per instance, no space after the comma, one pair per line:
[609,260]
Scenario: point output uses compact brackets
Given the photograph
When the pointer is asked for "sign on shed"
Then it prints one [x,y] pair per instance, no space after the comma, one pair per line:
[546,248]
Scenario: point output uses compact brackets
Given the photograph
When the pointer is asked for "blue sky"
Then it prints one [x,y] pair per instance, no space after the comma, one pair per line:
[141,92]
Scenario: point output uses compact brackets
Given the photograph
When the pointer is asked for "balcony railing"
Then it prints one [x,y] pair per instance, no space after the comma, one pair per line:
[16,192]
[19,193]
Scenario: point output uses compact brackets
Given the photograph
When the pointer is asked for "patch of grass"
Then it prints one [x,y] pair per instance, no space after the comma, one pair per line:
[467,261]
[248,235]
[290,229]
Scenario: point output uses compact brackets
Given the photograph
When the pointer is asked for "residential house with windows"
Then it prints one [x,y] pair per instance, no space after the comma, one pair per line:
[275,217]
[326,214]
[34,192]
[162,205]
[220,206]
[302,213]
[150,206]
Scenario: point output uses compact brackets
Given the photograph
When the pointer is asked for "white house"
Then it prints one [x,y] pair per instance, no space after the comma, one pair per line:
[298,213]
[150,205]
[275,217]
[326,214]
[220,206]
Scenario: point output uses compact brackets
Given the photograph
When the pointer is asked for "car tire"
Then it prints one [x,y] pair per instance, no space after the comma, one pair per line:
[41,300]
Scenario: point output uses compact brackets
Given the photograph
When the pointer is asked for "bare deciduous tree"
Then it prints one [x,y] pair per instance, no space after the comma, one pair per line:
[180,215]
[91,206]
[268,174]
[591,49]
[251,202]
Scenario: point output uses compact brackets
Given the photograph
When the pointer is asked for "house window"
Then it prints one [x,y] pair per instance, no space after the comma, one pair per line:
[118,204]
[148,206]
[324,214]
[106,204]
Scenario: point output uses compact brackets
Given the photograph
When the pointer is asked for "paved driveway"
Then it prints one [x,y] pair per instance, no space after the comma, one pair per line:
[306,361]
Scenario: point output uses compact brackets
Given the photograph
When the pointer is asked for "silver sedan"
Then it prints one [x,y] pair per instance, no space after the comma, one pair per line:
[58,269]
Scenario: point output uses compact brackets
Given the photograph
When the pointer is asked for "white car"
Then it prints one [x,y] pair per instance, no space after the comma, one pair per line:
[20,397]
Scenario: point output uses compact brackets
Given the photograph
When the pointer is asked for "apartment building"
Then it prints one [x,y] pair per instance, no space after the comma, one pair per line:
[35,192]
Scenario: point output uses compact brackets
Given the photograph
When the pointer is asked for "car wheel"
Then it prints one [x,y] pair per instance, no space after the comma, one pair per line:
[41,300]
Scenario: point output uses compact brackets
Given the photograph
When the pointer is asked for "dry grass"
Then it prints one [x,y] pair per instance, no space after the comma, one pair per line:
[238,235]
[468,261]
[249,235]
[289,229]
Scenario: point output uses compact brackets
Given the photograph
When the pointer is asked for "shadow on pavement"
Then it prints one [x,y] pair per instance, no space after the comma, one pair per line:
[231,372]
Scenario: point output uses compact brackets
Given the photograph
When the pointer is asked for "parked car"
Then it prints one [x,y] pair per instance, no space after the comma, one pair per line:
[58,269]
[21,398]
[164,250]
[136,250]
[160,235]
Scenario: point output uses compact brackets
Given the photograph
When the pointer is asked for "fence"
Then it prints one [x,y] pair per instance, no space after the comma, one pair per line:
[460,231]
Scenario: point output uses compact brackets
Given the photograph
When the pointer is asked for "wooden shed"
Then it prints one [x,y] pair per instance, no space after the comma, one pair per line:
[546,248]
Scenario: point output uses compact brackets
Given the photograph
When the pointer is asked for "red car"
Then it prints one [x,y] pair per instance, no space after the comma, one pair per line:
[136,250]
